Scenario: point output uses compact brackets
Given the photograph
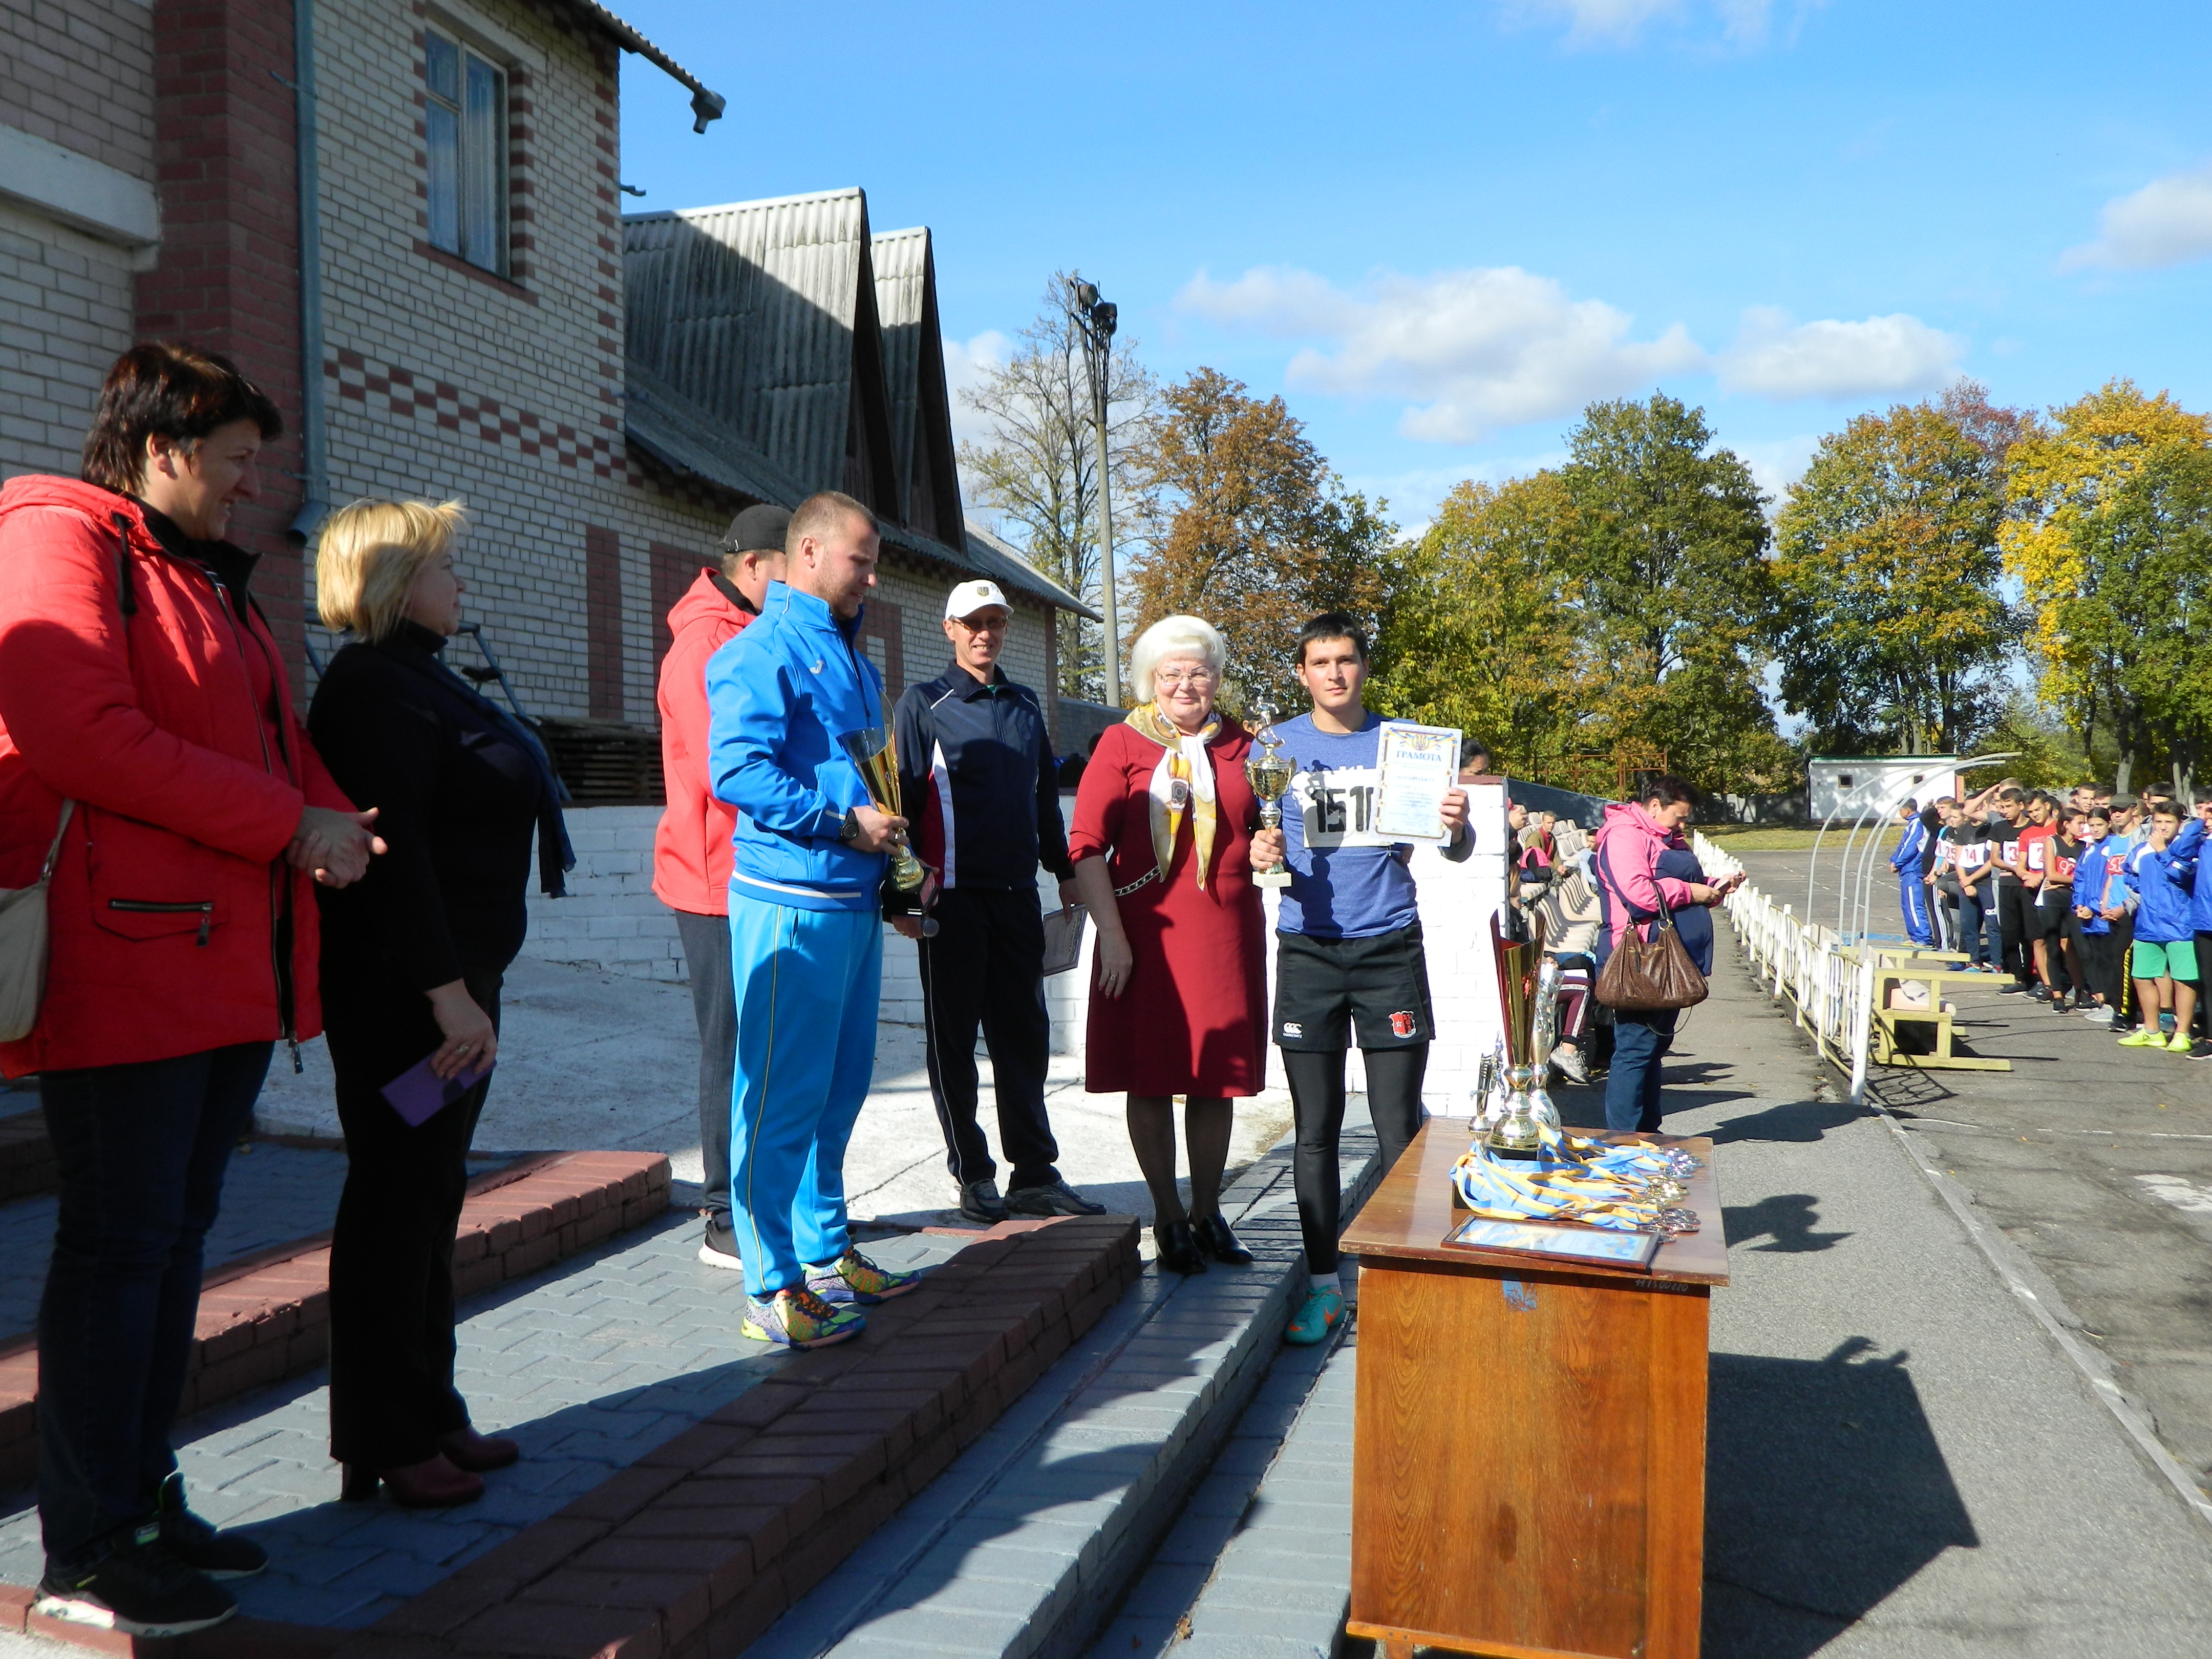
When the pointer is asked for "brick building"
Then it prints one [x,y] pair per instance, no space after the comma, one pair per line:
[479,319]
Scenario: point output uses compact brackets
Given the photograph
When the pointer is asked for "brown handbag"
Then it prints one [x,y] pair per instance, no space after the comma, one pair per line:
[1649,975]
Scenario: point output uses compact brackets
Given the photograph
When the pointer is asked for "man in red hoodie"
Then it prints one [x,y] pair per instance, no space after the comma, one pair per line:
[691,848]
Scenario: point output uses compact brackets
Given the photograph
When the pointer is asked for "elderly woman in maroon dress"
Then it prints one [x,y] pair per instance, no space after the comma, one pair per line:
[1162,843]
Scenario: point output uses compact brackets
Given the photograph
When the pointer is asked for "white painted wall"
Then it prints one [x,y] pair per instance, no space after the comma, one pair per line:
[611,922]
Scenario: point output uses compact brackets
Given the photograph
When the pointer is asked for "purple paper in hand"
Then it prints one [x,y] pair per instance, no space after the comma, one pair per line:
[418,1093]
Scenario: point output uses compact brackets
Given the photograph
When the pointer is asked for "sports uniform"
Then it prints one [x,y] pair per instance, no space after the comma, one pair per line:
[1910,863]
[1349,965]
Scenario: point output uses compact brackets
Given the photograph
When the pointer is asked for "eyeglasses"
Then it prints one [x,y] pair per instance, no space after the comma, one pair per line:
[974,627]
[1195,676]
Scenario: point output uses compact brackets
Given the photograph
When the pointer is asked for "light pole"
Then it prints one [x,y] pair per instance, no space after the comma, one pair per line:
[1094,319]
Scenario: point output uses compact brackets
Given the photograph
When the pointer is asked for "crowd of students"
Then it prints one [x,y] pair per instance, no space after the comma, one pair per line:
[2089,904]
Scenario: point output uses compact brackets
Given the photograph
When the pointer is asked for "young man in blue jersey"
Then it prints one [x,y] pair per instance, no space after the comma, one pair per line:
[1914,850]
[806,947]
[1349,963]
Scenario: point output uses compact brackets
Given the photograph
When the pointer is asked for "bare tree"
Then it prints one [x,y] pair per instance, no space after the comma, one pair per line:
[1038,470]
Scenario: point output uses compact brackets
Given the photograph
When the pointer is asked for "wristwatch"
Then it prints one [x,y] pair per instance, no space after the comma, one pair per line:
[849,831]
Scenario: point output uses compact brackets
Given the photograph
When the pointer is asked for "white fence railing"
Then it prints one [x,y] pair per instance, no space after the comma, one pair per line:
[1830,985]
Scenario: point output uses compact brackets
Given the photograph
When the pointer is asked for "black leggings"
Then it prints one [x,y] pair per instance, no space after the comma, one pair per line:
[1394,1101]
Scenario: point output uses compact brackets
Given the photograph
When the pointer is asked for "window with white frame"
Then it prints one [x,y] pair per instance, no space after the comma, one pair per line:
[466,123]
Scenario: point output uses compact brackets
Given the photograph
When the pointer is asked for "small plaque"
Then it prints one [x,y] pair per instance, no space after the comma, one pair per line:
[1570,1244]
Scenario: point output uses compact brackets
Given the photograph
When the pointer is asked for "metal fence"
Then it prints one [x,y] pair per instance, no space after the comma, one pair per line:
[1830,984]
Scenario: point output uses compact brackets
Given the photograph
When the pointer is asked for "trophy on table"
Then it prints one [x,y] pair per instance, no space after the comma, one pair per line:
[1543,1038]
[875,752]
[1268,770]
[1516,1134]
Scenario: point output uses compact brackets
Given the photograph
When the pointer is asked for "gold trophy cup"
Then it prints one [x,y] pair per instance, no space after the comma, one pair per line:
[1268,771]
[1516,1135]
[875,751]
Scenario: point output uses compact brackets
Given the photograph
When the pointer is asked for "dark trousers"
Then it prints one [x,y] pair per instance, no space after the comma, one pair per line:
[1394,1103]
[986,967]
[140,1151]
[714,1007]
[1981,935]
[2100,964]
[2126,1011]
[2052,918]
[1640,1042]
[2017,924]
[392,1254]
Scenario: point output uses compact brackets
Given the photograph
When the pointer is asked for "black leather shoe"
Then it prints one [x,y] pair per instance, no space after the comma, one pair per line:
[1178,1250]
[1211,1235]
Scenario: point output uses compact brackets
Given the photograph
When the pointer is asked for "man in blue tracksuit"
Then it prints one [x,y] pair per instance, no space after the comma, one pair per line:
[2162,875]
[1910,861]
[805,923]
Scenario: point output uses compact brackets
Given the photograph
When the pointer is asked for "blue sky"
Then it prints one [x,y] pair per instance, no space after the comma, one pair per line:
[1438,230]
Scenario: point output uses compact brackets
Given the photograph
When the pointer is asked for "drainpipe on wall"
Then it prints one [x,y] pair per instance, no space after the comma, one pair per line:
[314,448]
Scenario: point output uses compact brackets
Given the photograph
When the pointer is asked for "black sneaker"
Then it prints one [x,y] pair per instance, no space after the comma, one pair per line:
[140,1589]
[718,1247]
[198,1543]
[2039,993]
[1055,1197]
[2201,1049]
[2012,987]
[980,1202]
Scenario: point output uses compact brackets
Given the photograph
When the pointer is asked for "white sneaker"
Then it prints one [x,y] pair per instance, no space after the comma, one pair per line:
[1572,1066]
[2098,1016]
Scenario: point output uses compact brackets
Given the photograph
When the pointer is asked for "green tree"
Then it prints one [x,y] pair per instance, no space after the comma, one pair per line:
[2090,543]
[1888,625]
[1671,533]
[1253,532]
[1485,627]
[1039,469]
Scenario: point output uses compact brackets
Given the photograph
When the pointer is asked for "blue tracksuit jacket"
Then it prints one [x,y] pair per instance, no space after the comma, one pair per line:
[1909,858]
[780,698]
[2090,870]
[2162,881]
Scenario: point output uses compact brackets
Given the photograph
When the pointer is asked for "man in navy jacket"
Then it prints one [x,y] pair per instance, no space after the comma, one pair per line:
[977,775]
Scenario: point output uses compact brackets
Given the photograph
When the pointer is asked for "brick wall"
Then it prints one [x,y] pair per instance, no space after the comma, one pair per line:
[228,278]
[80,77]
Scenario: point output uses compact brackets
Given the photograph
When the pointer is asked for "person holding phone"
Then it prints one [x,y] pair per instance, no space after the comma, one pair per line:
[411,963]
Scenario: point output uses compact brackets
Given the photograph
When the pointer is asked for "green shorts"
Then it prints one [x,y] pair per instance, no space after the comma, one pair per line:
[2177,960]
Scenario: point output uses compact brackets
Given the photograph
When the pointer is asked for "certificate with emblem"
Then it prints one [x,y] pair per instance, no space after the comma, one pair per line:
[1418,766]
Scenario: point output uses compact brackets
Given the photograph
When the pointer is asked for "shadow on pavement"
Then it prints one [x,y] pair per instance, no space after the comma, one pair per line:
[1786,1219]
[1825,1491]
[1799,1120]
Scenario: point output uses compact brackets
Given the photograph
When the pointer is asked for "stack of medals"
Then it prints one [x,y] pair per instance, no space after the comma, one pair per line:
[1524,1167]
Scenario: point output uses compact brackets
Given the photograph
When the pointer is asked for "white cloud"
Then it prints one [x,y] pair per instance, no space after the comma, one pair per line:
[1776,356]
[1776,463]
[966,363]
[1621,22]
[1473,351]
[2167,223]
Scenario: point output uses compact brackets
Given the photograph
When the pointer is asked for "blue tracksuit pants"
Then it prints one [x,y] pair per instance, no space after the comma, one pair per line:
[808,984]
[1912,894]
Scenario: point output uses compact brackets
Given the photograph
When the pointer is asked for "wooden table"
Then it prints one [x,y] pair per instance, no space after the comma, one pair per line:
[1529,1460]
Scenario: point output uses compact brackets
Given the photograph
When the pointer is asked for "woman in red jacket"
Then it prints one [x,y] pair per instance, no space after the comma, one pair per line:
[146,721]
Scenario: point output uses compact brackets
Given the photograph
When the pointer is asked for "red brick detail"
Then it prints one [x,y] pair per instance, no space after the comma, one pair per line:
[393,390]
[454,263]
[698,1548]
[268,1317]
[225,148]
[603,629]
[882,620]
[674,570]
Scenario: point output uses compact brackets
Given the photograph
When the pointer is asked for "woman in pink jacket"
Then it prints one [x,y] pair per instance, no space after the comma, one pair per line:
[1644,865]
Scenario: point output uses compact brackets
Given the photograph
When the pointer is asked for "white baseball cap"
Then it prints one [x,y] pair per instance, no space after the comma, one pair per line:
[968,598]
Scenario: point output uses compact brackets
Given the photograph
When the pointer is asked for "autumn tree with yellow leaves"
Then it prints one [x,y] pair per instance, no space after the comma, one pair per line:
[2110,535]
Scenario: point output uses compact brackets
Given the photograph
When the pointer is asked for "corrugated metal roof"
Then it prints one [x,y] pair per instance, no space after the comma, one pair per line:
[676,432]
[1003,563]
[749,311]
[919,400]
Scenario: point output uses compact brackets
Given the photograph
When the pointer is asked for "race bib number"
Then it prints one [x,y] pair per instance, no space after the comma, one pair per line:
[1336,808]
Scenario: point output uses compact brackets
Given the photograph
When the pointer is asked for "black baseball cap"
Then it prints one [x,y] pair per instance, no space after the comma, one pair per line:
[757,530]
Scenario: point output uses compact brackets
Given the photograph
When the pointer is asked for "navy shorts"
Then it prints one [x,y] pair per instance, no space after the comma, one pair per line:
[1378,987]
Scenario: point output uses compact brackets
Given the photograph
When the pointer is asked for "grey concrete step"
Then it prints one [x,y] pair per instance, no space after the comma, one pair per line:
[1028,1543]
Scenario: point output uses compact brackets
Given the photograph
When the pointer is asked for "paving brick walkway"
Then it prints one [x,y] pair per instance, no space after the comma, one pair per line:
[272,1196]
[588,1365]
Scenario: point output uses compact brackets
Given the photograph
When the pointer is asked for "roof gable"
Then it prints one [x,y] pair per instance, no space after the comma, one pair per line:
[915,382]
